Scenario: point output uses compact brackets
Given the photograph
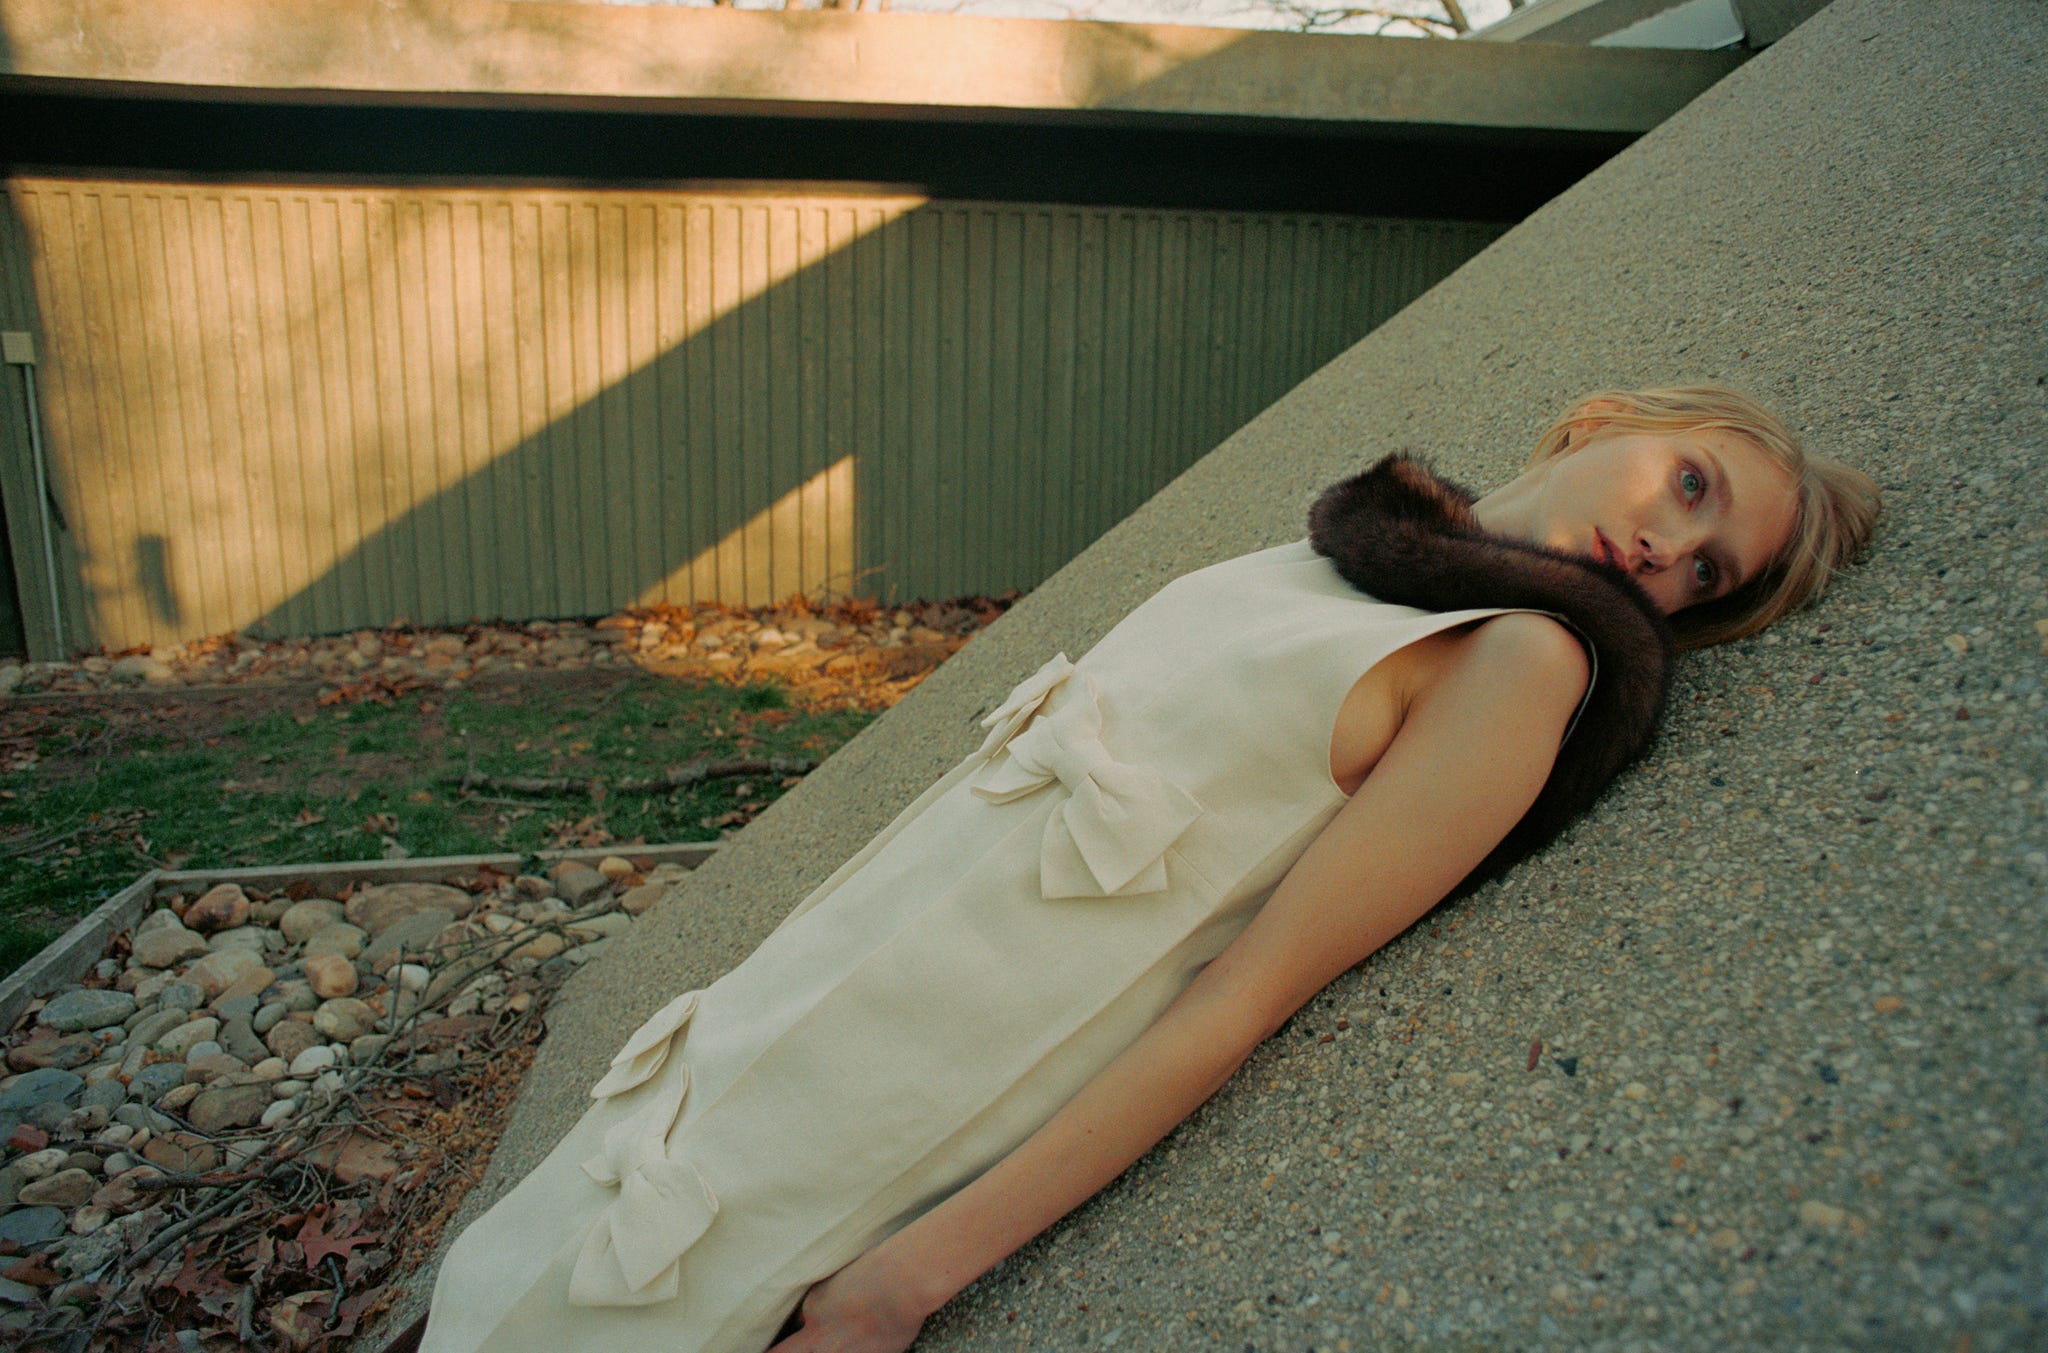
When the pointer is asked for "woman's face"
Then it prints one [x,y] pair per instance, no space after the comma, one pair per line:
[1689,515]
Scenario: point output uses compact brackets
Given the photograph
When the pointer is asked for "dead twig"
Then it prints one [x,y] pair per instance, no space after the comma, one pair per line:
[687,778]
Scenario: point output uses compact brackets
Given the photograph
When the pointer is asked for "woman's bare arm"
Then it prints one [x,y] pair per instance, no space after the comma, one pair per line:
[1473,749]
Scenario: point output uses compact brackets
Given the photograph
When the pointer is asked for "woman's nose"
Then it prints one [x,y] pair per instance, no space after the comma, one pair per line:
[1658,547]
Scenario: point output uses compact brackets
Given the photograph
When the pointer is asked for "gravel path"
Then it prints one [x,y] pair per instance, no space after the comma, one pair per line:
[1754,1057]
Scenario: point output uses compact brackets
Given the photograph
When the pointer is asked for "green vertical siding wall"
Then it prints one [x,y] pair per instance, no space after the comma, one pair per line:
[308,409]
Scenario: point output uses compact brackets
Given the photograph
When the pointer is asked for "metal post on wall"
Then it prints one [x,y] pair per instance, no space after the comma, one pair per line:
[18,348]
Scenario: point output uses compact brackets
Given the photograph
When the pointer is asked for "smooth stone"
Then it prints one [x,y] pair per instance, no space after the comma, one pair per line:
[270,1068]
[367,1049]
[13,1293]
[313,1060]
[41,1164]
[208,1048]
[77,1011]
[269,913]
[290,1038]
[344,1018]
[120,1162]
[106,1094]
[161,918]
[108,1065]
[327,1083]
[247,985]
[241,1152]
[181,995]
[140,1117]
[247,937]
[88,1219]
[181,1040]
[150,1083]
[238,1038]
[306,919]
[32,1225]
[412,935]
[167,947]
[236,1007]
[177,1097]
[412,977]
[211,1067]
[343,940]
[82,1122]
[181,1153]
[154,1026]
[47,1048]
[544,945]
[638,900]
[82,1160]
[146,985]
[375,909]
[294,993]
[267,1017]
[577,884]
[278,1111]
[330,975]
[215,973]
[224,907]
[11,1180]
[230,1106]
[287,1089]
[66,1188]
[48,1085]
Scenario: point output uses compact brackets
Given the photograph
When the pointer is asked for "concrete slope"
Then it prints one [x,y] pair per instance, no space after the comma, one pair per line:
[1755,1056]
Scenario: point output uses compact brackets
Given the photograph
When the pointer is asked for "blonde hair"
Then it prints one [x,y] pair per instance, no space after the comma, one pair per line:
[1835,514]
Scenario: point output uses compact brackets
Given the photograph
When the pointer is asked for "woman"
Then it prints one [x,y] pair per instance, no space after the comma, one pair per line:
[1265,773]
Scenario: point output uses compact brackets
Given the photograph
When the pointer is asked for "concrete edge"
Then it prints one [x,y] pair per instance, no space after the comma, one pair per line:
[524,53]
[77,949]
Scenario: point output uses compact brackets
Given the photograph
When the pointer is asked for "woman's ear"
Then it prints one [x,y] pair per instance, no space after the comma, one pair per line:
[1589,418]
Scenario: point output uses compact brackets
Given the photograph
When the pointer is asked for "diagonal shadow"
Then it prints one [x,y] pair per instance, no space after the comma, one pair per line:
[599,418]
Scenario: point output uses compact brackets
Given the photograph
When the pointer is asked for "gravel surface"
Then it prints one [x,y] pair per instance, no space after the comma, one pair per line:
[1754,1057]
[229,1031]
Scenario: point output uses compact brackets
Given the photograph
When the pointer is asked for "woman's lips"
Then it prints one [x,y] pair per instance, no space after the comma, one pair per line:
[1604,550]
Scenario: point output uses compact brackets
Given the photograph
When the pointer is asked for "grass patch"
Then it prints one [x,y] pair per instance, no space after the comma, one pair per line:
[94,793]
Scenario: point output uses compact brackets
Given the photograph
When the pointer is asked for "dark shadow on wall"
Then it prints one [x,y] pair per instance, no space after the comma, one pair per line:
[14,410]
[711,465]
[684,454]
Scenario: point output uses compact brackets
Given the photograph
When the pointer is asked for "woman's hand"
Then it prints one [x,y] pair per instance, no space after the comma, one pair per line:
[859,1309]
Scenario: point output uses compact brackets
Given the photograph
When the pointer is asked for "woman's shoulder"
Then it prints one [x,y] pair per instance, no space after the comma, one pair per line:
[1523,655]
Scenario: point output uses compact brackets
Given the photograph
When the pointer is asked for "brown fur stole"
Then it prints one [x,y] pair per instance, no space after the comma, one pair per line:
[1399,533]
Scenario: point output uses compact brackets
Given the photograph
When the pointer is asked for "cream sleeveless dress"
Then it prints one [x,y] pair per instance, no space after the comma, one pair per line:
[946,990]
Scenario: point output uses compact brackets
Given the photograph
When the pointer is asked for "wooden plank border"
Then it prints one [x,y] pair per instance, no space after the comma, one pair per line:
[74,952]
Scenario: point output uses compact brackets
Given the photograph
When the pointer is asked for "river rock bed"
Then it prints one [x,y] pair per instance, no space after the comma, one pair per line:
[234,1029]
[853,640]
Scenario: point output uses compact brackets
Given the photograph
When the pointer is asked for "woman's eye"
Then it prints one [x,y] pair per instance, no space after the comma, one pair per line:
[1704,573]
[1693,483]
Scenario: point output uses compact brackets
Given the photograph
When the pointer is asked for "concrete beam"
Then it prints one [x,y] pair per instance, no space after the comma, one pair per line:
[525,54]
[1751,1058]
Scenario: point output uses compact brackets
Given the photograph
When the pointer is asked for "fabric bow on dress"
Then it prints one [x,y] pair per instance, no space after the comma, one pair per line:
[1109,837]
[628,1256]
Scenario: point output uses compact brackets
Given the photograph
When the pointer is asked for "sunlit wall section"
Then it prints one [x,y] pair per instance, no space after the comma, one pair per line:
[305,409]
